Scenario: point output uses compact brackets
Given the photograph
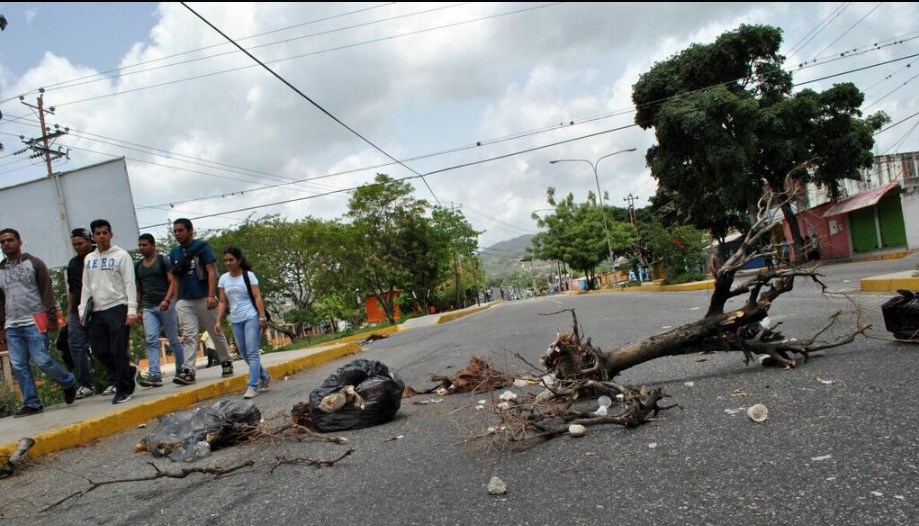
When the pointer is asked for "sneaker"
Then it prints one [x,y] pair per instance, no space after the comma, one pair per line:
[70,394]
[28,411]
[110,390]
[227,368]
[263,384]
[121,398]
[148,379]
[250,393]
[85,392]
[186,377]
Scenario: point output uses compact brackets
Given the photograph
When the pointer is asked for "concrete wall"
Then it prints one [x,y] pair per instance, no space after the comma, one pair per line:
[909,199]
[834,242]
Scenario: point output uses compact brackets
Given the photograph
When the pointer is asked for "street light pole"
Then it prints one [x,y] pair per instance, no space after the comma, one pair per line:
[593,165]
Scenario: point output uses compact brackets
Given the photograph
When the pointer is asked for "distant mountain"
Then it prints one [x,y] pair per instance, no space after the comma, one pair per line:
[504,258]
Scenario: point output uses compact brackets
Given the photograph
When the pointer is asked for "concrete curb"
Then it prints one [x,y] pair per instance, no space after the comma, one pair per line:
[81,433]
[889,283]
[682,287]
[362,336]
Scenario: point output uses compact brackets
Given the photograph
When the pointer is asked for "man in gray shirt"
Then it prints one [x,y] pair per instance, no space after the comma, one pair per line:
[27,312]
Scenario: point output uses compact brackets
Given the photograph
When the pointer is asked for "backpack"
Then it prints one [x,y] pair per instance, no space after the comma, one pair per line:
[252,298]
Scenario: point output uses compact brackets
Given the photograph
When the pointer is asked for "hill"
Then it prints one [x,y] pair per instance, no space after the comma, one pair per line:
[503,259]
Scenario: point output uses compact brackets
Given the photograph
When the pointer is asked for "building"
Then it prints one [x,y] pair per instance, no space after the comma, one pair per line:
[880,212]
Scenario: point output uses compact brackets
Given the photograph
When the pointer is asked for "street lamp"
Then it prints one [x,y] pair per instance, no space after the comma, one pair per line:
[594,165]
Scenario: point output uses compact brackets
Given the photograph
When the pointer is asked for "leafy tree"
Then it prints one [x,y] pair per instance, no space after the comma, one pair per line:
[575,234]
[727,123]
[382,214]
[680,249]
[455,235]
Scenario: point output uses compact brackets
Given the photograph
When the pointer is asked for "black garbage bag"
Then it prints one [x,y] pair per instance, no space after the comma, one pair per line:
[179,434]
[379,389]
[901,315]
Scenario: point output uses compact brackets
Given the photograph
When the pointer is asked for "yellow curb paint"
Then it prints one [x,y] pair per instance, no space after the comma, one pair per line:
[82,433]
[444,318]
[889,284]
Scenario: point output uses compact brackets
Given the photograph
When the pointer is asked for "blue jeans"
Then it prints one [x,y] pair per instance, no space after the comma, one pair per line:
[248,336]
[156,320]
[25,344]
[78,341]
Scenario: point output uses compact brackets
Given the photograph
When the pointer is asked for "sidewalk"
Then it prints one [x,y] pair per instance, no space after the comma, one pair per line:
[65,426]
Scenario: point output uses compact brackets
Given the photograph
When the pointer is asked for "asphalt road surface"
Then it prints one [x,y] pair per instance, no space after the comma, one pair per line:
[845,452]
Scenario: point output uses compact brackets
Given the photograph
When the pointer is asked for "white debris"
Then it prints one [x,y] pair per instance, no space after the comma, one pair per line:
[899,497]
[877,493]
[479,407]
[507,396]
[504,406]
[667,327]
[497,486]
[577,430]
[601,411]
[689,384]
[821,458]
[482,402]
[758,413]
[652,445]
[735,410]
[605,401]
[544,396]
[441,391]
[826,382]
[521,383]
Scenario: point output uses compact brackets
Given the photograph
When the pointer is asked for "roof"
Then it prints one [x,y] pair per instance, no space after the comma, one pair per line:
[862,200]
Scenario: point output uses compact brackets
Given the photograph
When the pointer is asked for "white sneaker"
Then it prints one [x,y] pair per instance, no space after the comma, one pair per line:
[110,390]
[250,393]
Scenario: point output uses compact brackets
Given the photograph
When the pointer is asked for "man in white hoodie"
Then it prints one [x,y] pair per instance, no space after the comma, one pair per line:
[108,287]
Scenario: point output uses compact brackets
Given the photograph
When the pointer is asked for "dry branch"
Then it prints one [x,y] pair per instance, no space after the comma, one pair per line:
[159,473]
[281,461]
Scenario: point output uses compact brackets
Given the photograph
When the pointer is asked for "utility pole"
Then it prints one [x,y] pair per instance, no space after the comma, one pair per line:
[456,265]
[41,147]
[631,200]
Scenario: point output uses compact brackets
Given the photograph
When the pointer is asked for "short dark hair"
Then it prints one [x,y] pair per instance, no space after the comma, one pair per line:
[148,238]
[81,232]
[99,223]
[11,231]
[184,221]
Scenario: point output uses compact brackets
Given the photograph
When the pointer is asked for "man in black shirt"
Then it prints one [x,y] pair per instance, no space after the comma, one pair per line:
[77,335]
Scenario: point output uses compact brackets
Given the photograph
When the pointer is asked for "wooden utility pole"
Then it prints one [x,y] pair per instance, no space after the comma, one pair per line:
[41,147]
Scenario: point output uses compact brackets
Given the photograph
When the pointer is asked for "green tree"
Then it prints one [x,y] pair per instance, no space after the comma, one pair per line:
[575,234]
[727,124]
[382,214]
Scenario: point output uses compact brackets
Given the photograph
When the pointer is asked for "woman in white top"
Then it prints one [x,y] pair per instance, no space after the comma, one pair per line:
[247,316]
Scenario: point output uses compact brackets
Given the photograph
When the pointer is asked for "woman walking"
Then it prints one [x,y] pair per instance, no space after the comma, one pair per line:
[238,288]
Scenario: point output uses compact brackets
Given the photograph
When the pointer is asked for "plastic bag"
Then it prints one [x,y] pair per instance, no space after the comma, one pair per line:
[901,315]
[178,434]
[379,390]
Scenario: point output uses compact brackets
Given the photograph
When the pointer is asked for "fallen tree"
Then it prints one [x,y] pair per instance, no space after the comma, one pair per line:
[578,370]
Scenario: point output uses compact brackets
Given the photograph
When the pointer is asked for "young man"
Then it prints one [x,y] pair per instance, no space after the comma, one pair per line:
[156,292]
[108,282]
[77,334]
[27,312]
[194,267]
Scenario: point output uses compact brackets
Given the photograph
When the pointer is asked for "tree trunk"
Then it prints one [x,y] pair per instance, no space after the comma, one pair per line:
[795,233]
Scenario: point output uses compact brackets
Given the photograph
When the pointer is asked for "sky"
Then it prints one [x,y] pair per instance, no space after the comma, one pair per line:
[477,97]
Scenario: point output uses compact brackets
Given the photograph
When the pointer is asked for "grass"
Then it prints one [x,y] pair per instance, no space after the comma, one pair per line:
[331,337]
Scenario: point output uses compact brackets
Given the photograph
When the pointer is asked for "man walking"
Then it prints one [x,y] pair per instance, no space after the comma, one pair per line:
[77,334]
[156,292]
[194,267]
[110,294]
[27,312]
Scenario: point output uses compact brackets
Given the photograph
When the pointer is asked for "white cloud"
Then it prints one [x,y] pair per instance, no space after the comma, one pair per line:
[434,91]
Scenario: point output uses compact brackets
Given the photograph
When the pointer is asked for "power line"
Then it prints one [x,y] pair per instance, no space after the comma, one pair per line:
[142,63]
[857,69]
[903,139]
[891,92]
[267,44]
[801,43]
[899,122]
[846,32]
[328,50]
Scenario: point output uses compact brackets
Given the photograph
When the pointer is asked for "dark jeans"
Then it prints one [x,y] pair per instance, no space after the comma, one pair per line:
[108,336]
[78,341]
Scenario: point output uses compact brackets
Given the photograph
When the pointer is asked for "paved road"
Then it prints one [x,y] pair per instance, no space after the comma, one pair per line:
[844,453]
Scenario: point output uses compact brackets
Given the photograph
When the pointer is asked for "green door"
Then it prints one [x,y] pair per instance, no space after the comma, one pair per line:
[890,216]
[864,232]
